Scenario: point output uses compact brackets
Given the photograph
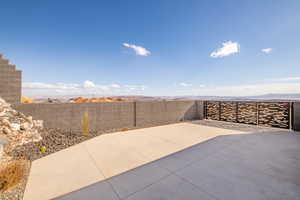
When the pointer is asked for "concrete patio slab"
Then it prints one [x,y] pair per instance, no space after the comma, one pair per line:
[223,174]
[138,178]
[177,133]
[112,154]
[61,172]
[226,176]
[171,188]
[218,179]
[93,192]
[128,150]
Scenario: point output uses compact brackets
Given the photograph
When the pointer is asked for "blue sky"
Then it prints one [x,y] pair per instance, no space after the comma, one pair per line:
[157,47]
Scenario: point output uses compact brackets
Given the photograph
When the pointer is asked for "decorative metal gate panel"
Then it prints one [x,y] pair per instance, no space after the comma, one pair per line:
[212,110]
[228,111]
[247,112]
[273,114]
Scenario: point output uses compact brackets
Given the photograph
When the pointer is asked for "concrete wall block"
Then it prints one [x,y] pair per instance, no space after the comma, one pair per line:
[10,85]
[69,116]
[200,109]
[112,115]
[161,112]
[296,116]
[7,67]
[4,61]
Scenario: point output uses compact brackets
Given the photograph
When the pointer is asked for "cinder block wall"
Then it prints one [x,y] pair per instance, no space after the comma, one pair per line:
[162,112]
[112,115]
[68,116]
[296,116]
[10,81]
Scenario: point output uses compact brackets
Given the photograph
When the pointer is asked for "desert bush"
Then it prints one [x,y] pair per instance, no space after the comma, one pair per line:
[11,174]
[43,149]
[124,129]
[85,124]
[26,100]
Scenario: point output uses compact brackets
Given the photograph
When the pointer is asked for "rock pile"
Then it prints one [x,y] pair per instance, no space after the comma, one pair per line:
[17,128]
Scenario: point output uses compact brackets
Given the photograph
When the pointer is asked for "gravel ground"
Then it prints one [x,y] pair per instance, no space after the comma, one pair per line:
[53,140]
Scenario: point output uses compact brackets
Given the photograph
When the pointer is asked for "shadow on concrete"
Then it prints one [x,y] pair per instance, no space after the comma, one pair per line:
[242,166]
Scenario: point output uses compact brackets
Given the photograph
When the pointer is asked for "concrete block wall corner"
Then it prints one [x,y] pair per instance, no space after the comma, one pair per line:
[10,81]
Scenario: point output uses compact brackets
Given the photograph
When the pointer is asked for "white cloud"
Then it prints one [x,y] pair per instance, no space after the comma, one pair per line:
[89,84]
[227,49]
[86,88]
[115,86]
[185,84]
[139,50]
[267,50]
[248,90]
[289,79]
[39,85]
[284,79]
[135,87]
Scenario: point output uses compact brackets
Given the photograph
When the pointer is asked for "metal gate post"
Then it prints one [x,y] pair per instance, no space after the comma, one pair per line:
[219,110]
[257,114]
[237,112]
[205,109]
[134,113]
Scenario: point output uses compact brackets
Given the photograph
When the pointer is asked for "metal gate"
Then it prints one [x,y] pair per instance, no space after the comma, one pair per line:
[272,114]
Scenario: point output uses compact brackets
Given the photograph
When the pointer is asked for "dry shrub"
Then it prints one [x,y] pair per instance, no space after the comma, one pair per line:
[86,124]
[26,100]
[124,129]
[11,174]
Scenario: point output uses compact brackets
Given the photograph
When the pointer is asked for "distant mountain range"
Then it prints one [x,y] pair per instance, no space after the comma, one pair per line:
[278,96]
[266,97]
